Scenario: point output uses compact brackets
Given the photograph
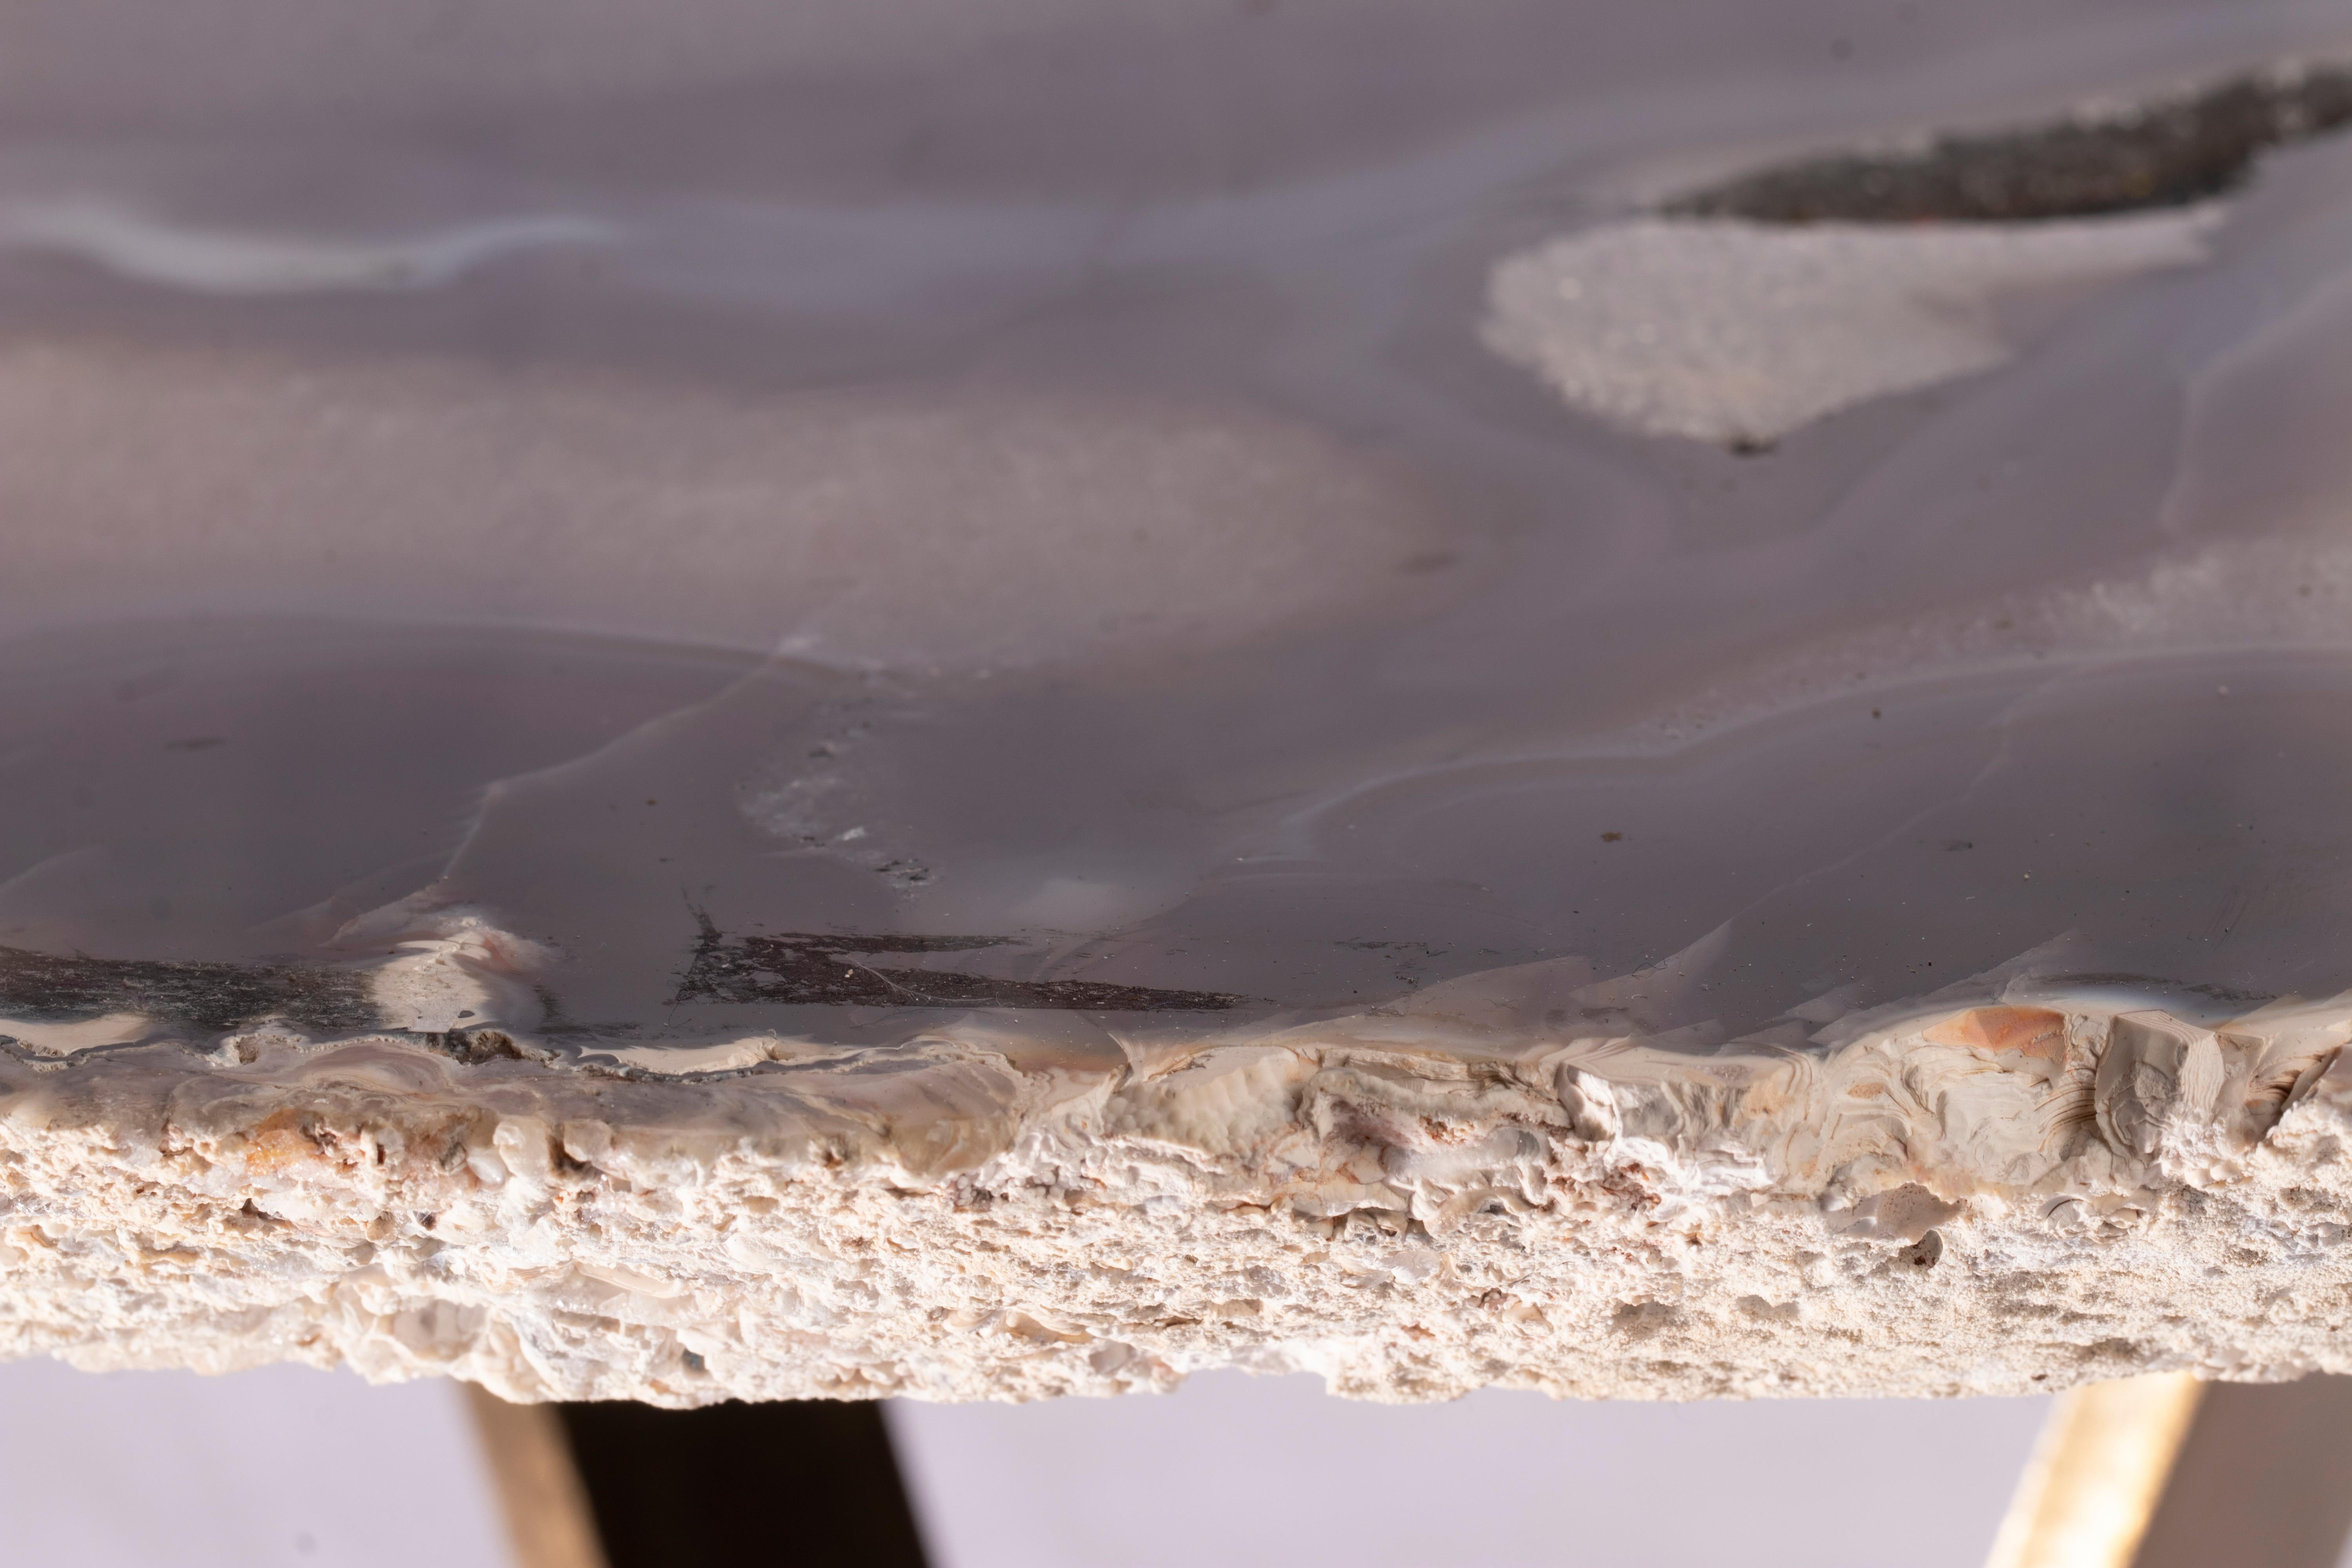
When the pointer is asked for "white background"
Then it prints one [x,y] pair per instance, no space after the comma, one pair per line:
[1233,1472]
[277,1468]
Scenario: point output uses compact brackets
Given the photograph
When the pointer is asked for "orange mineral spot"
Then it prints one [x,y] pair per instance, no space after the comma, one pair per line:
[2009,1031]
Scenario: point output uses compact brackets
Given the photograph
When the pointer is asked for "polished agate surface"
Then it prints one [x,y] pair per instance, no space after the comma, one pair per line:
[751,532]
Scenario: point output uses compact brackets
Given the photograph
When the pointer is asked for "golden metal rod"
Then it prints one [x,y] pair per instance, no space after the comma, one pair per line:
[548,1518]
[2097,1474]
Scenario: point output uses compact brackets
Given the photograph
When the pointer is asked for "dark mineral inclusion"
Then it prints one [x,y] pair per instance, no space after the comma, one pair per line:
[801,968]
[2164,153]
[205,998]
[794,969]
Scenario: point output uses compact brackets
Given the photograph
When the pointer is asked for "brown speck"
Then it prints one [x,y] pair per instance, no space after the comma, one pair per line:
[1611,837]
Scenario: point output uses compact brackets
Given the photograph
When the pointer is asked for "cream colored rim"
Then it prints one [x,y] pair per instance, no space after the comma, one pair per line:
[2097,1474]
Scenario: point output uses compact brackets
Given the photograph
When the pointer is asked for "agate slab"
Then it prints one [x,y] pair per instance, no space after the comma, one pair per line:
[1018,701]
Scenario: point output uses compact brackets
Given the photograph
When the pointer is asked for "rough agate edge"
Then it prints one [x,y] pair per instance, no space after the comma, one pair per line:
[1121,931]
[2018,1182]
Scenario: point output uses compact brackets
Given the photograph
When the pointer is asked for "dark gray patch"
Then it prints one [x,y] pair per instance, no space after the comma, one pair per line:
[2167,154]
[476,1046]
[212,999]
[805,968]
[1923,1253]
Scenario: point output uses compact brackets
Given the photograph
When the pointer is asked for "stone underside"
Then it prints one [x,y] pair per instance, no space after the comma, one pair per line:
[1995,1198]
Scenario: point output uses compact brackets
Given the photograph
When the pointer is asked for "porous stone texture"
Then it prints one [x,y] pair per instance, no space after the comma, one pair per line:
[2009,1186]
